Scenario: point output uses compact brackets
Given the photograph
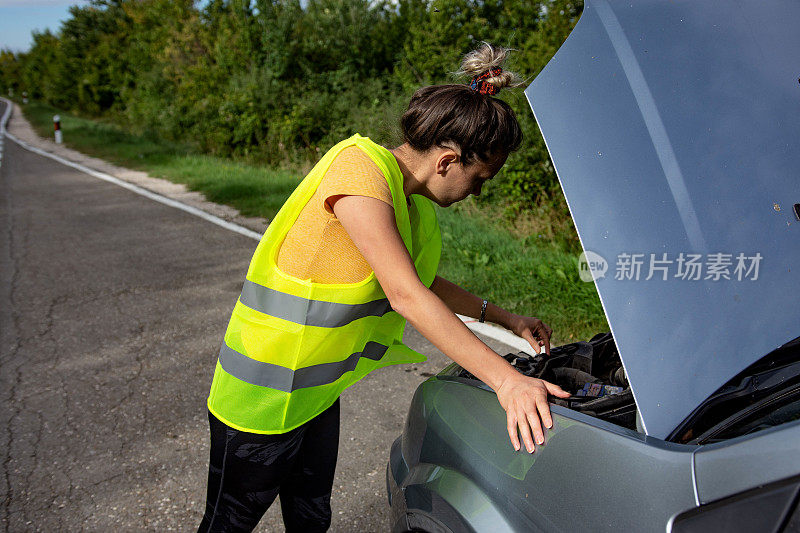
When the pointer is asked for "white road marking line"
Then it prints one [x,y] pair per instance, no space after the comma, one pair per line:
[493,332]
[138,190]
[3,127]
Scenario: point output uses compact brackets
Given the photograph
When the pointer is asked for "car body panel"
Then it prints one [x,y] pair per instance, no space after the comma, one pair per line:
[452,498]
[455,445]
[768,508]
[673,128]
[726,468]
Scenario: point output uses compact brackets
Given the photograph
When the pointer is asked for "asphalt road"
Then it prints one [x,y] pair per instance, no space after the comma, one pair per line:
[112,310]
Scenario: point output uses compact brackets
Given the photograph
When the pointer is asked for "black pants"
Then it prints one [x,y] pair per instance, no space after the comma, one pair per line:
[248,470]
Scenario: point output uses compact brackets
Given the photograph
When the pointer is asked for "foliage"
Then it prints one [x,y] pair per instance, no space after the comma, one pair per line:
[278,81]
[524,276]
[10,73]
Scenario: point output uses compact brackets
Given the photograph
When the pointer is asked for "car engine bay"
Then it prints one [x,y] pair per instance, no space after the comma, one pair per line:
[591,371]
[764,395]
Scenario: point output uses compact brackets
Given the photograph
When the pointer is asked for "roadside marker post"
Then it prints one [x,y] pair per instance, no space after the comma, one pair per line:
[57,128]
[24,97]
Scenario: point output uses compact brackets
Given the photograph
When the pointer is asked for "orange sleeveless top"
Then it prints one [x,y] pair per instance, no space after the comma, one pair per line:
[317,247]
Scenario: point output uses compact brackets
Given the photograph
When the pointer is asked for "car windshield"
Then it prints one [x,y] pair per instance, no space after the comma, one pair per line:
[773,411]
[763,395]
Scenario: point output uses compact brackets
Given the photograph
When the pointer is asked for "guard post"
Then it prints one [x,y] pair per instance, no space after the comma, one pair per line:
[57,128]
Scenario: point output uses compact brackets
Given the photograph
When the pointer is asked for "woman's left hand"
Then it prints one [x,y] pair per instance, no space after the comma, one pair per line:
[533,330]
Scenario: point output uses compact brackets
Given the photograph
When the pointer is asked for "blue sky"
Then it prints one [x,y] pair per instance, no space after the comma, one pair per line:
[18,18]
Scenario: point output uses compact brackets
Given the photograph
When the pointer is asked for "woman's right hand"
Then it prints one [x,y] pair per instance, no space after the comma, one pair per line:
[525,401]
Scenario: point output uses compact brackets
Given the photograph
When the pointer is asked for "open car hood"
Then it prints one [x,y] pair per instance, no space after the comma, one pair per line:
[674,127]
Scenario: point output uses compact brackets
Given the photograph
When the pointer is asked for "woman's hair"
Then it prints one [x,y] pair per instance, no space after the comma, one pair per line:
[477,123]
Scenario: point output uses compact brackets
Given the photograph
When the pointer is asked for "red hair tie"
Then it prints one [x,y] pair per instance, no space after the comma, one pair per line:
[477,84]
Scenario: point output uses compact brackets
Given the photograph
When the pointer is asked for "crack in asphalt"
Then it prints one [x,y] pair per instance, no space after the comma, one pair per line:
[35,456]
[12,363]
[9,361]
[48,316]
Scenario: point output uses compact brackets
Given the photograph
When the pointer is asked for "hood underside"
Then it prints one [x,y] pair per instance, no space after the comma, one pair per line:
[674,128]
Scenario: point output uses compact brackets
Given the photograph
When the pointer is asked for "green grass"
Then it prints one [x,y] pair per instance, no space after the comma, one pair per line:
[523,275]
[253,190]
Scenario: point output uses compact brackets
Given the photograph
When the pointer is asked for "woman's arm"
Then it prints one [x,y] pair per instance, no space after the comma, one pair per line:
[463,302]
[371,225]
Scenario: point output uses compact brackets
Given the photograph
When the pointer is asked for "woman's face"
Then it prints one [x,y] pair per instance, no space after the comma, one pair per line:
[454,181]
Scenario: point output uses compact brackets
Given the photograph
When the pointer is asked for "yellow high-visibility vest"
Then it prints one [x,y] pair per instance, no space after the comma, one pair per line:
[292,346]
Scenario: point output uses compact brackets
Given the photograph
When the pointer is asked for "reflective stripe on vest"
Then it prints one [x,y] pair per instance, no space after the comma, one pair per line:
[288,380]
[308,312]
[292,346]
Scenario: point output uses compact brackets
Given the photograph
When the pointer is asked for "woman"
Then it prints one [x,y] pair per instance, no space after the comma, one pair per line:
[351,255]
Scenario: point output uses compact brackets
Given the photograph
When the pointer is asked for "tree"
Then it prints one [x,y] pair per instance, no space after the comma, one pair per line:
[10,72]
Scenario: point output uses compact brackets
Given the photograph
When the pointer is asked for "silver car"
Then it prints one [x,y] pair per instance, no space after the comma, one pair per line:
[674,127]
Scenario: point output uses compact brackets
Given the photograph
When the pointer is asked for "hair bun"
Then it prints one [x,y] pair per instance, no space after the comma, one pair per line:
[485,59]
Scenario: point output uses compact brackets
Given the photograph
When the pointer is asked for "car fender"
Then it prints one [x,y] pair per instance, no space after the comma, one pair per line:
[459,504]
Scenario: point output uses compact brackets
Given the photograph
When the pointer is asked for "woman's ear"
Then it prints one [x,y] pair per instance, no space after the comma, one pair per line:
[445,159]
